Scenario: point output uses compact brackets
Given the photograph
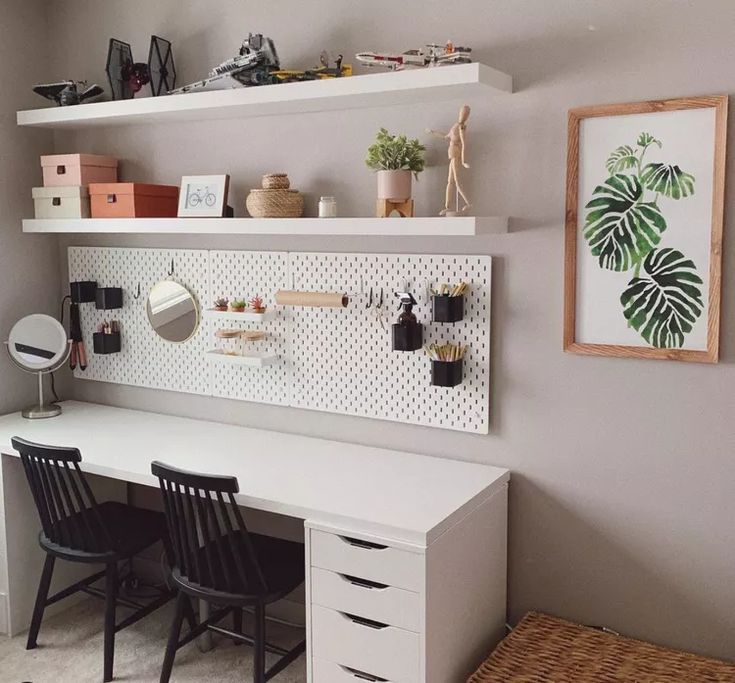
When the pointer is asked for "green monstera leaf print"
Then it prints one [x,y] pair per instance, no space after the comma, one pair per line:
[624,157]
[668,180]
[665,303]
[646,139]
[620,228]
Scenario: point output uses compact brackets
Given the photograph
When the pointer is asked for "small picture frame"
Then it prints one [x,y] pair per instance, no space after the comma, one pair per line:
[203,196]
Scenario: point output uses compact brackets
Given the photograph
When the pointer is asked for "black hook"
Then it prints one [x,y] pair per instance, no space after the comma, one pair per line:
[137,295]
[370,302]
[380,305]
[171,272]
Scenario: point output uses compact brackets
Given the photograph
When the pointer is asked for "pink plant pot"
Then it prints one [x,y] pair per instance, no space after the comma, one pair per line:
[394,185]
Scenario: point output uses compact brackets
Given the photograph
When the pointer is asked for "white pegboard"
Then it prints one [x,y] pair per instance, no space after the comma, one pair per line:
[244,274]
[342,359]
[337,360]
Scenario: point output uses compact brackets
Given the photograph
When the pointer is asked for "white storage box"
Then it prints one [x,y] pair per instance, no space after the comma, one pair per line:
[61,202]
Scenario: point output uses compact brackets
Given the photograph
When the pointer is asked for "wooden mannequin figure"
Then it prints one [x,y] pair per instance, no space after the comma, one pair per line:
[456,153]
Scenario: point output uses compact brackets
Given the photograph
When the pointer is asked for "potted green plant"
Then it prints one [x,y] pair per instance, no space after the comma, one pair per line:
[395,158]
[238,305]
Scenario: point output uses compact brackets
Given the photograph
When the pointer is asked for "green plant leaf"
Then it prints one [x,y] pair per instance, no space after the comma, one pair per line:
[646,139]
[670,181]
[621,159]
[664,305]
[620,229]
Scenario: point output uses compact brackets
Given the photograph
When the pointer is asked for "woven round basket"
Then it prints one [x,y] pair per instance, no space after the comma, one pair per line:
[276,181]
[275,204]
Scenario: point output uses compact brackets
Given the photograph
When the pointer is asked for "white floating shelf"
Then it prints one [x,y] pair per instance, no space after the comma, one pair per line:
[254,360]
[455,226]
[353,92]
[245,316]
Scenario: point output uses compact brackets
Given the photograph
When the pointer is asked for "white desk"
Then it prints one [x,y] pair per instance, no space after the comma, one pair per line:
[432,531]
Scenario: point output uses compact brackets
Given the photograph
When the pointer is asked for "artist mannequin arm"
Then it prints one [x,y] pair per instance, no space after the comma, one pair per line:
[462,144]
[437,134]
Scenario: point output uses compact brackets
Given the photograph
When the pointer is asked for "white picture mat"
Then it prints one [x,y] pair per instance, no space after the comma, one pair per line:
[688,138]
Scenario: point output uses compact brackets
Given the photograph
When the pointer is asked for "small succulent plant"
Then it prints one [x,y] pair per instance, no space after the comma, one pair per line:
[239,304]
[222,303]
[257,304]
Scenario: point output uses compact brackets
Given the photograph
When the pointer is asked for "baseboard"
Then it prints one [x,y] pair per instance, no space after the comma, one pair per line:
[290,611]
[3,614]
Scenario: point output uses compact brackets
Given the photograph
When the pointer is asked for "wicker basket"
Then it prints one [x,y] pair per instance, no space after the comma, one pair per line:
[544,649]
[276,181]
[275,204]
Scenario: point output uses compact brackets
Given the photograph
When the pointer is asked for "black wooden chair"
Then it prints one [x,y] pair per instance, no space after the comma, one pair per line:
[218,561]
[78,529]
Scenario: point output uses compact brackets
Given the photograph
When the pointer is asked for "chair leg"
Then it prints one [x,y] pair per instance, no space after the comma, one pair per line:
[189,613]
[237,623]
[41,597]
[173,637]
[259,645]
[110,598]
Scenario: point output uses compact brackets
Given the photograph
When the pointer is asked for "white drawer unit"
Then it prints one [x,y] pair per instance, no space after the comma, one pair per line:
[365,645]
[370,599]
[373,560]
[329,672]
[385,610]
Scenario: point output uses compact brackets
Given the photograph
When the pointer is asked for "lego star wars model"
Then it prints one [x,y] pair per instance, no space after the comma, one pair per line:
[253,65]
[427,56]
[68,93]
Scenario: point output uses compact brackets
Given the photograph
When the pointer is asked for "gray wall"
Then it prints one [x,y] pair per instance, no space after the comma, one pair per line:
[29,265]
[622,501]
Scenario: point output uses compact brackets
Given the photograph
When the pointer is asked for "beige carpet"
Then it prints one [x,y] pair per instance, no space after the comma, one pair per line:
[70,651]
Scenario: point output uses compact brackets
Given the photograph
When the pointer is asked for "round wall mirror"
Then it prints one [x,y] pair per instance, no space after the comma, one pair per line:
[173,312]
[39,344]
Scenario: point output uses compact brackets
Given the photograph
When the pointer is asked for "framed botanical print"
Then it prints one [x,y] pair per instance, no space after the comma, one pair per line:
[644,212]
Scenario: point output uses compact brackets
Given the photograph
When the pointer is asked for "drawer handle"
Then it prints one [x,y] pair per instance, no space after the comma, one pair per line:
[365,545]
[364,676]
[56,201]
[111,198]
[362,621]
[364,583]
[60,169]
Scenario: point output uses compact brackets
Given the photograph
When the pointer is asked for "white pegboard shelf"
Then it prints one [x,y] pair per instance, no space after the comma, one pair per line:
[254,360]
[455,226]
[457,81]
[246,316]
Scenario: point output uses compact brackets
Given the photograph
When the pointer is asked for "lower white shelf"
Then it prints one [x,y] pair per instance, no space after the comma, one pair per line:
[255,360]
[454,226]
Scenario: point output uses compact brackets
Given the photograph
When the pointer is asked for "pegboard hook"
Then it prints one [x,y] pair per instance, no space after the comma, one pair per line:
[370,300]
[136,296]
[172,270]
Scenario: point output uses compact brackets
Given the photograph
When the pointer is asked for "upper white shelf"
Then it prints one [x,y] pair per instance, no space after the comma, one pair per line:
[370,90]
[449,226]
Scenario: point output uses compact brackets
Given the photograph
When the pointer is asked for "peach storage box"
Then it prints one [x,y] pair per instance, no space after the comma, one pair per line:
[133,200]
[61,202]
[63,170]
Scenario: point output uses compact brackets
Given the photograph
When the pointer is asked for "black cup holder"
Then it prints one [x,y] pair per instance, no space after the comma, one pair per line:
[448,309]
[446,373]
[109,298]
[104,344]
[408,337]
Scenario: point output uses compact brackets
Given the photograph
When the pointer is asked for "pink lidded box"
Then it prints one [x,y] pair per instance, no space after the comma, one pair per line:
[78,169]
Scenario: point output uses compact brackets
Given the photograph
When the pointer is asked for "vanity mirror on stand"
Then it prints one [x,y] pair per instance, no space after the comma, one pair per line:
[39,344]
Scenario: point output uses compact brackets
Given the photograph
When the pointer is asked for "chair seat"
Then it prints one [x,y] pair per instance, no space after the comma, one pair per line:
[281,562]
[132,530]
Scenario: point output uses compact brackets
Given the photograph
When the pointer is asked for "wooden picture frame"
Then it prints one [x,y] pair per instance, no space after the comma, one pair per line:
[643,310]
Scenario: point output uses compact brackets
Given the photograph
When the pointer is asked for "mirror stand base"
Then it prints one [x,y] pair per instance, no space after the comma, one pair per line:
[42,412]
